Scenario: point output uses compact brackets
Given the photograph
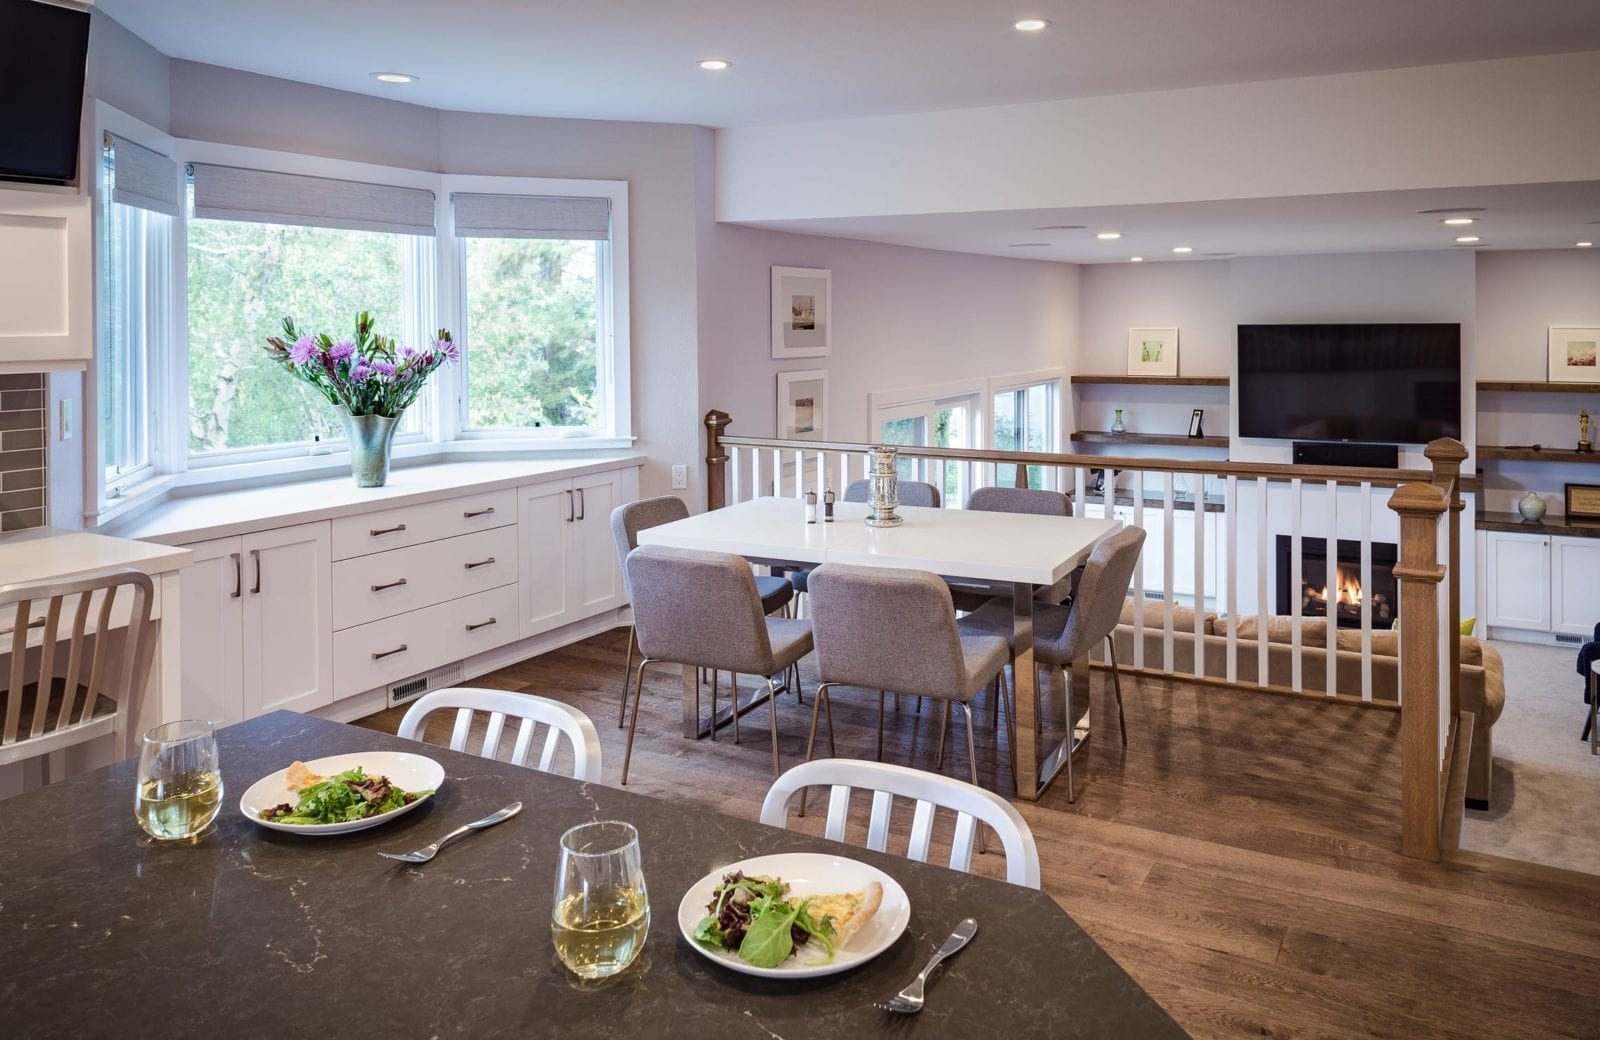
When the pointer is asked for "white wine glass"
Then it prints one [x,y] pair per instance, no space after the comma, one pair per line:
[180,785]
[602,911]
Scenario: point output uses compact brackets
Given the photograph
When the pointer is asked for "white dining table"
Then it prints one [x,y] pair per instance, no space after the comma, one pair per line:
[1011,551]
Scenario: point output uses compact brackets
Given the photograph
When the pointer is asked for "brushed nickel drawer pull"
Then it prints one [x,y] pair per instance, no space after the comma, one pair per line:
[481,624]
[391,585]
[580,504]
[255,555]
[571,511]
[480,563]
[402,648]
[238,577]
[478,512]
[387,530]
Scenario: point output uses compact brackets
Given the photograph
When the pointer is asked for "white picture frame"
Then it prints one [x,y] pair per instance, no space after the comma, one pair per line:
[1152,352]
[803,405]
[1575,353]
[802,312]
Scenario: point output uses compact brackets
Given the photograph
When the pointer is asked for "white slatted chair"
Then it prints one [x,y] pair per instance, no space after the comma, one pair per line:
[971,804]
[562,720]
[51,700]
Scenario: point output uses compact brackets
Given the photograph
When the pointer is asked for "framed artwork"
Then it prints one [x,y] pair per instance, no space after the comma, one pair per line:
[1195,423]
[1583,501]
[802,305]
[1152,352]
[803,405]
[1574,354]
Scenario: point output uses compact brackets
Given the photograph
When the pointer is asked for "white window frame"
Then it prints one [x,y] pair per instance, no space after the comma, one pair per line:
[1056,379]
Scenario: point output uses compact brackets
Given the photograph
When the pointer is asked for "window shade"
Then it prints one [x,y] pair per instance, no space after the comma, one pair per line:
[531,216]
[232,193]
[141,177]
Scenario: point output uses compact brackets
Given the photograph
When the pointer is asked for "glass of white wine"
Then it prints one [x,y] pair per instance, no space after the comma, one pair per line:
[602,912]
[180,784]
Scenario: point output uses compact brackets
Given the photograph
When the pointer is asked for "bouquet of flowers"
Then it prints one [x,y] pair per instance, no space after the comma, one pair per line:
[367,375]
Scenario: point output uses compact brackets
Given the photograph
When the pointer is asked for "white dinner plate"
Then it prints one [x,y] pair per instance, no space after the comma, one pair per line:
[406,771]
[808,874]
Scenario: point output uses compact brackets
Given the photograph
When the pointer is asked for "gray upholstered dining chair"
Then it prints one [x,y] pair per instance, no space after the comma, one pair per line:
[894,630]
[1062,635]
[1033,501]
[701,609]
[627,520]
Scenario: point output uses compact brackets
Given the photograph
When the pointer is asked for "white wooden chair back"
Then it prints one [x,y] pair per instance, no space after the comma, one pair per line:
[54,680]
[563,720]
[930,791]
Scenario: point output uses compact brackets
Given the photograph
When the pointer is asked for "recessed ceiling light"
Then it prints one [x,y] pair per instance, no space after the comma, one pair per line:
[1027,245]
[1459,221]
[1109,236]
[1136,259]
[1071,227]
[1450,209]
[1030,24]
[1584,245]
[1466,239]
[1183,249]
[714,64]
[393,77]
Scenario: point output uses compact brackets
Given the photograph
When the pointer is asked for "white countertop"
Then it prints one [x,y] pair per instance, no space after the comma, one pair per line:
[222,514]
[51,554]
[959,543]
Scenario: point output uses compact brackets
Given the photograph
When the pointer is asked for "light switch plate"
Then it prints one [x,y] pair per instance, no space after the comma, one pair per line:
[66,420]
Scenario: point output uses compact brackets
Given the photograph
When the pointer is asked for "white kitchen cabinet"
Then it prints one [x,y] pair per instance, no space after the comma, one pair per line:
[1518,580]
[569,560]
[46,281]
[1574,585]
[259,633]
[592,564]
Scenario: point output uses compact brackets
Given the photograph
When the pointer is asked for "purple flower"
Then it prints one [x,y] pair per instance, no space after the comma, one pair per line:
[384,369]
[448,348]
[304,349]
[341,350]
[407,351]
[360,372]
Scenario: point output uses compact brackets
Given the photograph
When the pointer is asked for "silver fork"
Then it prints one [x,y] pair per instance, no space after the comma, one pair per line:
[909,1000]
[427,852]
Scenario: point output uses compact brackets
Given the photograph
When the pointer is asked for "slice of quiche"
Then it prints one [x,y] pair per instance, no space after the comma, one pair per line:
[850,911]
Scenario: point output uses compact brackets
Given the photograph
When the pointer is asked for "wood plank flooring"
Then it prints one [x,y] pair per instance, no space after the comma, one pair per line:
[1239,857]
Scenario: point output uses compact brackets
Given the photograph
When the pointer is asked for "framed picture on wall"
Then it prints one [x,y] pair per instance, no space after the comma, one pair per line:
[803,405]
[802,319]
[1574,354]
[1152,352]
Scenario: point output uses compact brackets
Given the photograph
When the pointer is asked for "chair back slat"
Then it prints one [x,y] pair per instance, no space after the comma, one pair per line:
[564,721]
[838,812]
[878,827]
[99,663]
[80,625]
[19,660]
[961,842]
[47,663]
[921,831]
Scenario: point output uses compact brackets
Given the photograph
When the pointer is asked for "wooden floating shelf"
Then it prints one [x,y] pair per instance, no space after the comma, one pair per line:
[1155,380]
[1495,451]
[1538,388]
[1164,439]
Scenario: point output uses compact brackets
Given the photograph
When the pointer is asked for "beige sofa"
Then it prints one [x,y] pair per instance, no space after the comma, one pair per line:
[1483,690]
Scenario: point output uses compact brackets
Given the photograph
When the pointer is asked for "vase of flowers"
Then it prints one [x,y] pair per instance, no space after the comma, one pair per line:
[370,379]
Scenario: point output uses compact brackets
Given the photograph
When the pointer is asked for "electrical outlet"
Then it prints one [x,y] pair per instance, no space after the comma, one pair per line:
[66,420]
[680,477]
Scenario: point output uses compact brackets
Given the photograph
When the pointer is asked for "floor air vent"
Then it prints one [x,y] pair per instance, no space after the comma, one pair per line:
[410,689]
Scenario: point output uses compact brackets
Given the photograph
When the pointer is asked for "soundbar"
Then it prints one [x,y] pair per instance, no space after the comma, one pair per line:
[1330,453]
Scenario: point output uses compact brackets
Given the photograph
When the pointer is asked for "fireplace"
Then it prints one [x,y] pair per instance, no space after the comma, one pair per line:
[1340,582]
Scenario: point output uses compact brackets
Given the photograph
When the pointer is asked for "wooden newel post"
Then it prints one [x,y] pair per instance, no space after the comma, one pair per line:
[716,460]
[1419,574]
[1446,454]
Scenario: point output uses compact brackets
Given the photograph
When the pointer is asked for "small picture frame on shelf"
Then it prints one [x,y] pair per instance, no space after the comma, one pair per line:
[1152,352]
[1574,354]
[1583,502]
[1196,430]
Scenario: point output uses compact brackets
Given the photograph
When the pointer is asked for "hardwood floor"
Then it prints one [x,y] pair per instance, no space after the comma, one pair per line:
[1239,858]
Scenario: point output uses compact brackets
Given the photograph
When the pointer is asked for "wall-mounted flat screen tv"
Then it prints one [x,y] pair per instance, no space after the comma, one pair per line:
[42,52]
[1380,384]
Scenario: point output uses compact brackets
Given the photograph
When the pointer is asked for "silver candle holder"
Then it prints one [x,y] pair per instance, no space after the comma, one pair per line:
[883,489]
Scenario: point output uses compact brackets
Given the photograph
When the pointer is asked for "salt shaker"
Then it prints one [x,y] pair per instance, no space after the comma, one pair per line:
[811,507]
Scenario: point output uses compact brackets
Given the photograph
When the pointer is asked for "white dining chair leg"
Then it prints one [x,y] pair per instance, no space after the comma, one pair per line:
[627,673]
[1116,685]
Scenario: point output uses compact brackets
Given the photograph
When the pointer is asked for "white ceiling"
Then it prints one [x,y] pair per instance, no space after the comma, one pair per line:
[797,60]
[1521,216]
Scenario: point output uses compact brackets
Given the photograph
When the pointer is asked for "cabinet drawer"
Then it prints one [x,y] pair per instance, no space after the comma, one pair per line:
[382,652]
[427,522]
[366,588]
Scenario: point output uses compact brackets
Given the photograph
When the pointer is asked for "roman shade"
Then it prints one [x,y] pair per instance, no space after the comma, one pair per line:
[141,177]
[531,216]
[234,193]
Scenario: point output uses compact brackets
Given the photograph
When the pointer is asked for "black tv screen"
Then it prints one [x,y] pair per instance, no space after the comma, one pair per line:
[1382,384]
[42,53]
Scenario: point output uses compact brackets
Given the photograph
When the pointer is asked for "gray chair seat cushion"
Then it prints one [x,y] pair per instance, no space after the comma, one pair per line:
[774,592]
[791,639]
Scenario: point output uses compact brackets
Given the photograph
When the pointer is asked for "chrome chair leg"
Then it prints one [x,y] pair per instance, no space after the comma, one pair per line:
[817,699]
[1116,684]
[944,724]
[638,688]
[972,774]
[714,691]
[627,673]
[772,707]
[880,723]
[1072,732]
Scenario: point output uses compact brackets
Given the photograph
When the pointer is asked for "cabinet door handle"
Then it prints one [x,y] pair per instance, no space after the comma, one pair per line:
[387,530]
[580,503]
[489,511]
[255,557]
[402,648]
[480,563]
[238,576]
[391,585]
[571,515]
[481,624]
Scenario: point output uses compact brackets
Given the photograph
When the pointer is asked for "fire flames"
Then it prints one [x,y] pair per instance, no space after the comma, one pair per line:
[1348,592]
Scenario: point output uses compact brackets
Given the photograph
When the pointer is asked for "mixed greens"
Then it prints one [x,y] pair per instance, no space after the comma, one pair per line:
[352,795]
[754,917]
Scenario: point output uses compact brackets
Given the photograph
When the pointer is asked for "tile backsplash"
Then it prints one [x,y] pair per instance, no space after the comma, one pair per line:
[23,412]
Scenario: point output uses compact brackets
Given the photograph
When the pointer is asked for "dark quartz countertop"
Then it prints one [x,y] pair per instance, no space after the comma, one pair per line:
[253,933]
[1550,525]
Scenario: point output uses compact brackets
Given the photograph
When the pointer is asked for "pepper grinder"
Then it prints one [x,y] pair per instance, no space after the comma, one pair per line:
[1583,431]
[827,506]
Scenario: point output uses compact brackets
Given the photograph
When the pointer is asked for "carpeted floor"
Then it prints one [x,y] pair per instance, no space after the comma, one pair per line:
[1545,805]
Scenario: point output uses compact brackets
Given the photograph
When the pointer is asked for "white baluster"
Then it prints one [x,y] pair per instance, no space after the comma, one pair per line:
[1366,590]
[1138,574]
[1231,553]
[1331,654]
[1199,573]
[1262,538]
[1168,582]
[1296,585]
